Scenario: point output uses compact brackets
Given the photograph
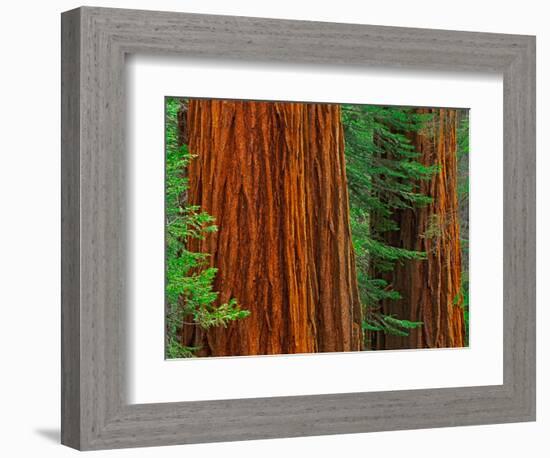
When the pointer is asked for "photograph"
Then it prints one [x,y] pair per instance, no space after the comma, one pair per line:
[275,229]
[302,227]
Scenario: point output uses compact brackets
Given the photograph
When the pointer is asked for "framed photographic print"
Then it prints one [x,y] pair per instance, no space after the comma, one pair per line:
[285,228]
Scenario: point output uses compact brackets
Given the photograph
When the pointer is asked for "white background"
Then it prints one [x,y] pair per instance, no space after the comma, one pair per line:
[29,233]
[152,379]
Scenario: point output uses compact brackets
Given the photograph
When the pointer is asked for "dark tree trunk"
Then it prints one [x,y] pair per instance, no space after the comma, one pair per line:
[430,288]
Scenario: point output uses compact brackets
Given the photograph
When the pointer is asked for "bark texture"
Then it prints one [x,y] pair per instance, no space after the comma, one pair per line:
[273,175]
[430,288]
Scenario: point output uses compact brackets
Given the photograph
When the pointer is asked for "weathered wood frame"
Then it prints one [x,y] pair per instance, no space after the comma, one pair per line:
[95,414]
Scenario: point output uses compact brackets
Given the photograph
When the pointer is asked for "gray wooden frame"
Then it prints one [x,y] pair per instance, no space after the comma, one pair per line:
[95,414]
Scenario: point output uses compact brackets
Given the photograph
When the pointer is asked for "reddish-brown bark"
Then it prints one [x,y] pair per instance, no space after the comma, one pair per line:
[430,288]
[273,176]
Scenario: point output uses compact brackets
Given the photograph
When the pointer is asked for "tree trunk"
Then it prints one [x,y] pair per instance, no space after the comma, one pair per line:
[273,176]
[430,288]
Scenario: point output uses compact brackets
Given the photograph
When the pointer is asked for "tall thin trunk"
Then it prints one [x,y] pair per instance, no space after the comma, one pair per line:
[430,288]
[273,176]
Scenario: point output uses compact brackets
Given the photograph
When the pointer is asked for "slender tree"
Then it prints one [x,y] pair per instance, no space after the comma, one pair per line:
[273,176]
[430,289]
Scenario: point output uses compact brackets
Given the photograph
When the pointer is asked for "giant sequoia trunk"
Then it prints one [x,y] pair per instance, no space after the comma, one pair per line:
[273,176]
[430,288]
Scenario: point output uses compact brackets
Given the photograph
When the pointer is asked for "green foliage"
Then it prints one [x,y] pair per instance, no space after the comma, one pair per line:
[389,324]
[174,349]
[383,172]
[190,297]
[463,151]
